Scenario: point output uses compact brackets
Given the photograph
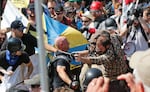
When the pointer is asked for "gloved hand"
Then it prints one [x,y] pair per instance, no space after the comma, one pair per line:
[74,85]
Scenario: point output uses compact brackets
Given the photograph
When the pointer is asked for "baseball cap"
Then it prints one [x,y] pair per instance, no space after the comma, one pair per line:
[17,24]
[31,6]
[35,80]
[140,62]
[88,15]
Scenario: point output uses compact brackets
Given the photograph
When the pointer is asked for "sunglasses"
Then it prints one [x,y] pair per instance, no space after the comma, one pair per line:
[35,86]
[59,13]
[51,8]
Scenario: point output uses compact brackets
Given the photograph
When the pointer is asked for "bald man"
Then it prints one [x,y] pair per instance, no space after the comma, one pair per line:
[62,76]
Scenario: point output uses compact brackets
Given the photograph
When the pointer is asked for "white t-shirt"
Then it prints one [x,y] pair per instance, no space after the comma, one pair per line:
[139,40]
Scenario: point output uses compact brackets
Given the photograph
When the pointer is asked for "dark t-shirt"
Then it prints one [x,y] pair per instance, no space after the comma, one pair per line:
[57,81]
[28,40]
[24,58]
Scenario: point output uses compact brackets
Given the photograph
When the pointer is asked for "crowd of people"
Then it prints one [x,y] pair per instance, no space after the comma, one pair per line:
[116,58]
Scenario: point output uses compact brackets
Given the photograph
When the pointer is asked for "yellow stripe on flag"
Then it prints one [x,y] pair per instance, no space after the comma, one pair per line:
[74,37]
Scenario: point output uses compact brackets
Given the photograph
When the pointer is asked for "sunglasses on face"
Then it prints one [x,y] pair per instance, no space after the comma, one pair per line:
[59,13]
[51,8]
[35,86]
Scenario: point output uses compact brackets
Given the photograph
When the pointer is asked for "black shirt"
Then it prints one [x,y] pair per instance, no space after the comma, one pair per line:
[24,58]
[57,81]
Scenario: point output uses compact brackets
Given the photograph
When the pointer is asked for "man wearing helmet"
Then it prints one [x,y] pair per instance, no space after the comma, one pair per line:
[12,57]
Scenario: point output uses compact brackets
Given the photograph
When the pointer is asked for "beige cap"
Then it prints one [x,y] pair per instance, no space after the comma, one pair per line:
[88,15]
[35,80]
[140,61]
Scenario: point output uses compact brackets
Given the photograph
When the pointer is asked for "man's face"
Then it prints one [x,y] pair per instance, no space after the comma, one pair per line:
[85,21]
[59,15]
[17,33]
[100,49]
[96,13]
[51,6]
[146,15]
[2,37]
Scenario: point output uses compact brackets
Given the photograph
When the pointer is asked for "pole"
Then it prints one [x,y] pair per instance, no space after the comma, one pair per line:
[42,57]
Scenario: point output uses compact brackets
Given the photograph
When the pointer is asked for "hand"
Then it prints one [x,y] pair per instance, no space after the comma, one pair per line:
[74,85]
[77,57]
[129,78]
[9,73]
[98,85]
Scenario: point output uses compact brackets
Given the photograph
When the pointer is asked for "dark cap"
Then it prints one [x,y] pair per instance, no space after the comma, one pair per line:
[17,24]
[31,6]
[110,24]
[59,9]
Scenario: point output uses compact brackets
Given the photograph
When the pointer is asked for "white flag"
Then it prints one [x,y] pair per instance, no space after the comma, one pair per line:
[10,14]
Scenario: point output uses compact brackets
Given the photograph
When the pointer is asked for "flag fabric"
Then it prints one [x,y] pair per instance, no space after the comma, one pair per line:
[21,3]
[10,14]
[54,29]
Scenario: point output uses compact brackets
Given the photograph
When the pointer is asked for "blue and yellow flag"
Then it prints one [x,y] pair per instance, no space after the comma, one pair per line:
[54,29]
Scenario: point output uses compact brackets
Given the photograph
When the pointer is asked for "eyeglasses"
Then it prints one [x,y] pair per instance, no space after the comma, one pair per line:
[35,86]
[51,8]
[59,13]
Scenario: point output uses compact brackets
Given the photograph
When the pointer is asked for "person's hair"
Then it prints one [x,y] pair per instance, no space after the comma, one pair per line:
[106,41]
[147,9]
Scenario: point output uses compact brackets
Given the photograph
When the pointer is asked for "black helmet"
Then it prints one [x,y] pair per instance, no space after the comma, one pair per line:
[91,74]
[14,44]
[110,24]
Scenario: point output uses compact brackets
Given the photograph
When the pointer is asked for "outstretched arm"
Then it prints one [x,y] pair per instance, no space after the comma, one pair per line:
[30,69]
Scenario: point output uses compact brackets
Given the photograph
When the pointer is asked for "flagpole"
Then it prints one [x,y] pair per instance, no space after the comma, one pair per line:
[42,57]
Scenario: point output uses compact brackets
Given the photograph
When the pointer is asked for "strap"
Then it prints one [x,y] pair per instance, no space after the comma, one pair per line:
[143,33]
[129,34]
[97,25]
[61,57]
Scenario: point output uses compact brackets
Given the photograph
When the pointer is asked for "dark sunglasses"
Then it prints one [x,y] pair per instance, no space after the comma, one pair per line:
[51,8]
[59,13]
[35,86]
